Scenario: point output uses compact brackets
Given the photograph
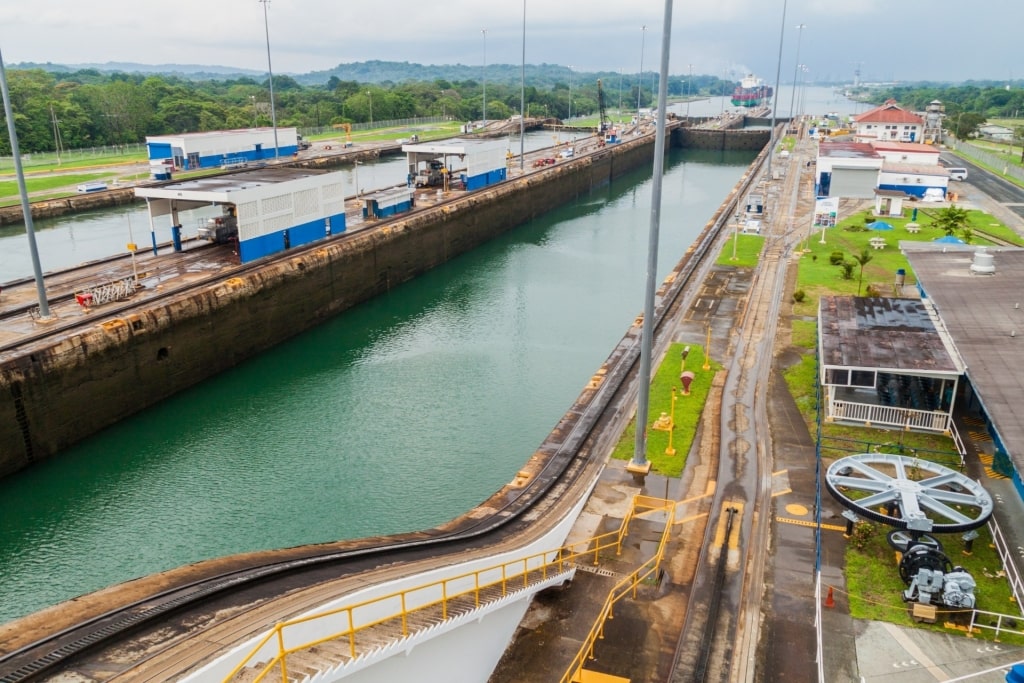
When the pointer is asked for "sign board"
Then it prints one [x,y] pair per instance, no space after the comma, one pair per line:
[826,211]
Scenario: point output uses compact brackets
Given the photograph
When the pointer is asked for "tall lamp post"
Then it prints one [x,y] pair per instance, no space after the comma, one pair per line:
[775,94]
[484,31]
[640,80]
[370,95]
[689,80]
[26,209]
[270,73]
[522,99]
[570,91]
[796,67]
[638,465]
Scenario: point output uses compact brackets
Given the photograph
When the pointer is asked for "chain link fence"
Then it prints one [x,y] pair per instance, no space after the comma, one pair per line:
[105,154]
[1000,162]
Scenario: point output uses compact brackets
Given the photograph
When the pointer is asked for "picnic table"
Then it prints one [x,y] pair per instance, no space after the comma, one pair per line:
[877,242]
[913,228]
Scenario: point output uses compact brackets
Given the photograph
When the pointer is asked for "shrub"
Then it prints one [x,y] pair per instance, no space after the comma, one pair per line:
[847,269]
[836,258]
[862,534]
[799,295]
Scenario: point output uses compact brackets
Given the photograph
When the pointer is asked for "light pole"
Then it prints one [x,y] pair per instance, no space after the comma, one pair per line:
[255,116]
[688,81]
[570,92]
[800,32]
[638,465]
[370,95]
[800,98]
[522,99]
[270,72]
[484,31]
[775,94]
[26,208]
[736,236]
[620,94]
[640,80]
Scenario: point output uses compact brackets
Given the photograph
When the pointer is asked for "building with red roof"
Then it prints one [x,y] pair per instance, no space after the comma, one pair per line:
[888,122]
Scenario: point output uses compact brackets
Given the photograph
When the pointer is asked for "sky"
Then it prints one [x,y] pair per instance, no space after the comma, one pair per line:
[902,40]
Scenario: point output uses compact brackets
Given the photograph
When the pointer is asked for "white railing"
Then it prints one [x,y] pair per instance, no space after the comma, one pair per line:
[1009,620]
[890,416]
[1012,574]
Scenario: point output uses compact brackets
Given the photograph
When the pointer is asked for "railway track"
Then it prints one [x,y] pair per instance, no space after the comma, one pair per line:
[573,455]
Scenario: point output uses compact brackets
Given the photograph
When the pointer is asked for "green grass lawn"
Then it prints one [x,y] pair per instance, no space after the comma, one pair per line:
[872,570]
[47,162]
[747,248]
[9,188]
[875,588]
[687,411]
[850,238]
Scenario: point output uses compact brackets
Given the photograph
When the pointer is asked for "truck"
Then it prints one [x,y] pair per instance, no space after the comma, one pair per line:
[220,229]
[432,176]
[303,144]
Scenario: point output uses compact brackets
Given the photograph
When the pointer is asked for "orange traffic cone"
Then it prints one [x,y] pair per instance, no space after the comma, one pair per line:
[829,600]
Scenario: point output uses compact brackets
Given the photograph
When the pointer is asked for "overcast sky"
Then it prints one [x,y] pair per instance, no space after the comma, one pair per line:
[902,40]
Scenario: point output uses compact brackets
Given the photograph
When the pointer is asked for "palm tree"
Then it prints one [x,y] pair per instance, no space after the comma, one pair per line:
[862,258]
[952,220]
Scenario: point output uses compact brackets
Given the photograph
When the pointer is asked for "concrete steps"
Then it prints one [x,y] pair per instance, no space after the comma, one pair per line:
[307,663]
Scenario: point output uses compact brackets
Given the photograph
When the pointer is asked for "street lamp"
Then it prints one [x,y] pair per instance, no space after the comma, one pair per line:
[255,118]
[370,95]
[688,81]
[800,32]
[640,80]
[570,92]
[270,72]
[736,236]
[26,208]
[775,94]
[620,94]
[484,31]
[522,99]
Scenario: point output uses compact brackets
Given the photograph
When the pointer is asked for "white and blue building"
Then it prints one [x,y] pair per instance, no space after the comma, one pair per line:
[478,163]
[214,149]
[276,208]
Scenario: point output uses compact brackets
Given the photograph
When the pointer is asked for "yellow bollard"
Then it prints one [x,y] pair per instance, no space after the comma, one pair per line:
[672,424]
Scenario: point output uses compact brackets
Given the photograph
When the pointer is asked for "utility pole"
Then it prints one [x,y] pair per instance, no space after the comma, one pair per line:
[270,72]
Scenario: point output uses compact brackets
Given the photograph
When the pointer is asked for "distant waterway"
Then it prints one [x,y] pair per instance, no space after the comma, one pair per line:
[397,415]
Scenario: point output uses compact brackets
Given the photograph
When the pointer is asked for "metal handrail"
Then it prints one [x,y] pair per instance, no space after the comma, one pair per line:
[1012,574]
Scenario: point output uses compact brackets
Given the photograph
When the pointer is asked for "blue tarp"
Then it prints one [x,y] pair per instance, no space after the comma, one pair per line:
[879,225]
[949,239]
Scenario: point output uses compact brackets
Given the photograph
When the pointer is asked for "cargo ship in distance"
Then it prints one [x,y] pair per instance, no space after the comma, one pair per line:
[751,92]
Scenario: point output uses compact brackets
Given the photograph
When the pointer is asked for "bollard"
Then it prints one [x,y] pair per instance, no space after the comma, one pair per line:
[829,600]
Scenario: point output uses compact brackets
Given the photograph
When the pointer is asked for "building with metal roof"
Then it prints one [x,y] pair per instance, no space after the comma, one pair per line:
[979,296]
[214,149]
[267,209]
[885,362]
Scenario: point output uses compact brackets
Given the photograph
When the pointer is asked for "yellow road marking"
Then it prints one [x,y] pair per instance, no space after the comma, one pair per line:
[723,521]
[802,522]
[781,493]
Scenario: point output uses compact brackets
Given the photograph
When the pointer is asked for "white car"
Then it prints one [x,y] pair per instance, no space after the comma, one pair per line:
[933,194]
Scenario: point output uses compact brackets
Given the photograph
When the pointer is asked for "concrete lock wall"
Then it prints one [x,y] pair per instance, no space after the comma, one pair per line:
[56,393]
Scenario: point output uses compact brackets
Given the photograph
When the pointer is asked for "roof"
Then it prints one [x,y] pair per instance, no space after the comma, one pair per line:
[847,150]
[916,169]
[891,193]
[216,133]
[882,333]
[888,113]
[905,147]
[984,316]
[234,187]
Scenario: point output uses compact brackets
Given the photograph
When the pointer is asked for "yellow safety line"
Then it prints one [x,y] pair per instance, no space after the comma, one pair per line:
[803,522]
[782,493]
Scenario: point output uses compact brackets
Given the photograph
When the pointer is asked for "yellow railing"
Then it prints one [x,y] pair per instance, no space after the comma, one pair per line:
[513,576]
[627,585]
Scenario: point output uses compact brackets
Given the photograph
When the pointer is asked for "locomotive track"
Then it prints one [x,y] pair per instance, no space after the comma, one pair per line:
[566,464]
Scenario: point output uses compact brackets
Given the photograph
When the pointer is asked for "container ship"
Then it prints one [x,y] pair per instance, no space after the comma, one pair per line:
[751,92]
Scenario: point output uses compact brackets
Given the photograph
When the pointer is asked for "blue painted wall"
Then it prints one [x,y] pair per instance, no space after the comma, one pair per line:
[915,190]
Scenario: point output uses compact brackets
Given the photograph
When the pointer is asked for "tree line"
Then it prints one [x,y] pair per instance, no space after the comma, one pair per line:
[90,108]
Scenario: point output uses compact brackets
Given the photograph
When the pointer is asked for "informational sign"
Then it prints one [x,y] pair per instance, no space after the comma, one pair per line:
[826,210]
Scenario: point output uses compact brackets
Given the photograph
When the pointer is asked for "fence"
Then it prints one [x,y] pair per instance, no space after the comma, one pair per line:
[992,159]
[394,123]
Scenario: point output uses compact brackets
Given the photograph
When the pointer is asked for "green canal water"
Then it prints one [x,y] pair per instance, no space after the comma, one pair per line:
[397,415]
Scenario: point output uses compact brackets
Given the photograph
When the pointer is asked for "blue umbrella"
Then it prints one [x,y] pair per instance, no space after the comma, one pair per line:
[879,225]
[949,239]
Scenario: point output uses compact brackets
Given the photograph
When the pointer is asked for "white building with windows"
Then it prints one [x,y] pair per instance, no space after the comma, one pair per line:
[888,122]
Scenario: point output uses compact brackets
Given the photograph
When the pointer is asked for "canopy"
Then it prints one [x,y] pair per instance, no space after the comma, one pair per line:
[879,225]
[949,239]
